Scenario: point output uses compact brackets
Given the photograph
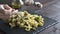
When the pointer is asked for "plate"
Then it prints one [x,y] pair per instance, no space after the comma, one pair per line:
[48,22]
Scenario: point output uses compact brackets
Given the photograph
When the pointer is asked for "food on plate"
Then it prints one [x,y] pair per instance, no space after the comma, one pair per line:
[16,3]
[25,20]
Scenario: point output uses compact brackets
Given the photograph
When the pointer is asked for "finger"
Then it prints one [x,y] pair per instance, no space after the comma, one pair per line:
[1,6]
[7,7]
[13,10]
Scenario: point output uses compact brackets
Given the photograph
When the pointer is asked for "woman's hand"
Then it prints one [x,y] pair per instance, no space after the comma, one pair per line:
[6,11]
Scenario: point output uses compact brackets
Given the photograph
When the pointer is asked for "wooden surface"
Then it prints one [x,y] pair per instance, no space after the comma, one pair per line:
[52,11]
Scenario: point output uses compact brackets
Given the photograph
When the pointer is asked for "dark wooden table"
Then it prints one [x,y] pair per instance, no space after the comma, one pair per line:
[50,10]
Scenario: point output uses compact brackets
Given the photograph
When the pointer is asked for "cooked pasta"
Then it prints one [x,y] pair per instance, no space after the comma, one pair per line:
[25,20]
